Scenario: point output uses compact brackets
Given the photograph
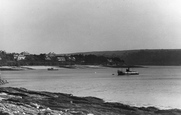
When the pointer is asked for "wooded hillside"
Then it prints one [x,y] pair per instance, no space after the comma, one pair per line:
[145,57]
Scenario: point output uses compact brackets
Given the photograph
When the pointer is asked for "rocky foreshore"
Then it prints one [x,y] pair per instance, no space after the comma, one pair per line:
[2,80]
[20,101]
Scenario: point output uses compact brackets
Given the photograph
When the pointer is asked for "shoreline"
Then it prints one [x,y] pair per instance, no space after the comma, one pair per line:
[24,101]
[22,68]
[39,67]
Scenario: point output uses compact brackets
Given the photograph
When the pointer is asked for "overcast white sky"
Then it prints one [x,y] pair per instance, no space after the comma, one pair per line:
[64,26]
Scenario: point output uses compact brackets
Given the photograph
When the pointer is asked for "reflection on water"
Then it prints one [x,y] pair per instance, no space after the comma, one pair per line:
[155,86]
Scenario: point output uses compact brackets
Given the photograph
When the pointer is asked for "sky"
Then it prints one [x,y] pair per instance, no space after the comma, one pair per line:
[69,26]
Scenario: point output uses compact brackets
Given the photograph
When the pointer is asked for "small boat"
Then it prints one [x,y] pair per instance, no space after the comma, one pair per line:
[52,69]
[127,72]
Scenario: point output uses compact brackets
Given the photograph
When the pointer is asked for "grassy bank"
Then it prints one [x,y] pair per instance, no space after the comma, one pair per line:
[19,101]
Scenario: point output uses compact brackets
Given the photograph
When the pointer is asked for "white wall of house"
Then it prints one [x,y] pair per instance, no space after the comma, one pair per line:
[19,57]
[61,58]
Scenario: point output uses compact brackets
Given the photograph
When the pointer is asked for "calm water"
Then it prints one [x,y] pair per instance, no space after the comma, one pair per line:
[155,86]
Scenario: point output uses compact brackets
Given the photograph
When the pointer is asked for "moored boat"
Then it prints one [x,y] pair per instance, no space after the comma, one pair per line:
[127,72]
[52,69]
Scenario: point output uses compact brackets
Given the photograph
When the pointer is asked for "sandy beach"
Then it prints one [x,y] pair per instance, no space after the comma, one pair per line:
[41,67]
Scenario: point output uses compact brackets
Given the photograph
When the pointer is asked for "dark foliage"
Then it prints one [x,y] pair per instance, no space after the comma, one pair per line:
[8,59]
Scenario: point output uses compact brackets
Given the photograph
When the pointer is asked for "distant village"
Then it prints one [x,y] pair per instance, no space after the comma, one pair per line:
[25,58]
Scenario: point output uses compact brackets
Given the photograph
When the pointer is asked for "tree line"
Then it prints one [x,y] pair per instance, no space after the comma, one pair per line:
[8,59]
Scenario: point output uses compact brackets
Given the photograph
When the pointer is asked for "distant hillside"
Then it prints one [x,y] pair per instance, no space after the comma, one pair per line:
[144,57]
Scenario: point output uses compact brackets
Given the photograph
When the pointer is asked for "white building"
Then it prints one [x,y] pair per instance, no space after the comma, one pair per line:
[19,57]
[61,59]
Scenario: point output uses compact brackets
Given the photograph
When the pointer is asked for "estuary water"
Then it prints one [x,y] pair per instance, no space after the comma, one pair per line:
[158,86]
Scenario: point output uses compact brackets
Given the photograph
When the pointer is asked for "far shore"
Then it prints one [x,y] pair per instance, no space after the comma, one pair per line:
[41,67]
[20,68]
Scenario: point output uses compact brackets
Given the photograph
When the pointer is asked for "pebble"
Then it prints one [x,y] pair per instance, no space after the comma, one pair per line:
[90,114]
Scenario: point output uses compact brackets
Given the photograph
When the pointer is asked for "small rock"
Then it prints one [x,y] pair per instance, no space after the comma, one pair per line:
[90,114]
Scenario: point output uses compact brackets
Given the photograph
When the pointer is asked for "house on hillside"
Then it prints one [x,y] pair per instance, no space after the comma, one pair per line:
[50,55]
[47,57]
[19,57]
[61,59]
[69,58]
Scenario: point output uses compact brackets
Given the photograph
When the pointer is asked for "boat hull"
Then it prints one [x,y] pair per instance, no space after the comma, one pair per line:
[128,73]
[52,69]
